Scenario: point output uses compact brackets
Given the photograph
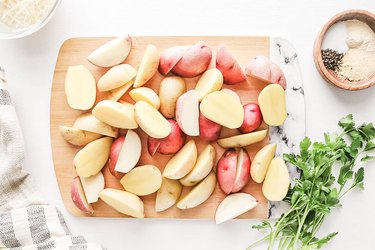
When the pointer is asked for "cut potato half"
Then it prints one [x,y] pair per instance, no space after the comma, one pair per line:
[80,87]
[223,108]
[117,93]
[234,205]
[92,158]
[242,140]
[151,121]
[272,104]
[77,136]
[148,67]
[210,81]
[276,183]
[145,94]
[116,77]
[123,202]
[115,114]
[88,122]
[92,186]
[130,152]
[142,180]
[168,194]
[199,193]
[261,162]
[187,112]
[171,88]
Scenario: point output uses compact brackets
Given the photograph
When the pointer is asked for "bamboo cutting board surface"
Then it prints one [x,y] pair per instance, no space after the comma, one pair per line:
[75,51]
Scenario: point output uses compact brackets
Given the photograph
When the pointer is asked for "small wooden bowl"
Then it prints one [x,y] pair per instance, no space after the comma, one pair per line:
[330,76]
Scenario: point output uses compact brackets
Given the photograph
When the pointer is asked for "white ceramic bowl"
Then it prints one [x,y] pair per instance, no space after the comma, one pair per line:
[9,33]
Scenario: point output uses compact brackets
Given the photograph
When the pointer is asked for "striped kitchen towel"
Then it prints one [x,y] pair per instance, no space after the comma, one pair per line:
[26,221]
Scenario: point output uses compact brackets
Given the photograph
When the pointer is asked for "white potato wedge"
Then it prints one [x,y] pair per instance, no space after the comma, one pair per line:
[261,162]
[272,104]
[210,81]
[171,88]
[276,183]
[151,121]
[116,77]
[145,94]
[187,112]
[148,67]
[111,53]
[80,87]
[92,158]
[202,167]
[233,93]
[168,194]
[242,140]
[142,180]
[130,152]
[223,108]
[123,202]
[182,162]
[92,186]
[78,196]
[234,205]
[199,194]
[88,122]
[115,114]
[77,136]
[117,93]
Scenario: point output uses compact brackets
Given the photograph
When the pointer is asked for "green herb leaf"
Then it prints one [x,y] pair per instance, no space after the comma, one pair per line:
[368,131]
[369,146]
[358,179]
[347,122]
[304,147]
[368,158]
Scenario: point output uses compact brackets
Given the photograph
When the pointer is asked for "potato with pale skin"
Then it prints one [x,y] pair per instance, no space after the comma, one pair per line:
[88,122]
[148,67]
[168,194]
[262,68]
[228,65]
[242,140]
[261,162]
[171,88]
[116,77]
[77,137]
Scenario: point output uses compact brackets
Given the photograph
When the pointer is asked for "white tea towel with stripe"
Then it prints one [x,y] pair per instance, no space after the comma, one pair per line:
[26,221]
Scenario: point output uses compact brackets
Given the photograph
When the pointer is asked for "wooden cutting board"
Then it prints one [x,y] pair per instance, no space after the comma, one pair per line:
[74,51]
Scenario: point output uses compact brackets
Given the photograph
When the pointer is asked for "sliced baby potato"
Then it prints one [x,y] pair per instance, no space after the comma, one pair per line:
[117,93]
[78,196]
[199,193]
[242,140]
[92,186]
[151,121]
[233,93]
[142,180]
[111,53]
[80,87]
[88,122]
[116,77]
[148,67]
[130,152]
[92,158]
[272,104]
[187,112]
[234,205]
[261,162]
[276,183]
[210,81]
[202,167]
[182,162]
[145,94]
[171,88]
[223,108]
[168,194]
[119,115]
[77,136]
[123,202]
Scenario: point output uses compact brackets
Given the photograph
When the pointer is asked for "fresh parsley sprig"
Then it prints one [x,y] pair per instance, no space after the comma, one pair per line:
[318,191]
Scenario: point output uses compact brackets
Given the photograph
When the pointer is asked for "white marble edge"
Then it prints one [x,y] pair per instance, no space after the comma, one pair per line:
[288,136]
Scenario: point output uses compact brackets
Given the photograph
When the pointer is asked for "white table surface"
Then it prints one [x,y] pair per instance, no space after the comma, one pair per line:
[29,64]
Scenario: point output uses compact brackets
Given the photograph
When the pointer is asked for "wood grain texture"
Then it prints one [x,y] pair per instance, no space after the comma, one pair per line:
[74,51]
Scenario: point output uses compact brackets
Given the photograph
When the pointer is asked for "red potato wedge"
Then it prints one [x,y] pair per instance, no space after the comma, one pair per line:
[252,118]
[208,130]
[130,153]
[243,171]
[194,61]
[114,153]
[228,65]
[187,112]
[78,196]
[264,69]
[226,170]
[170,57]
[168,145]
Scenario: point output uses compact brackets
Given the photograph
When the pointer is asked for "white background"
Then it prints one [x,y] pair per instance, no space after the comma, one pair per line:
[29,63]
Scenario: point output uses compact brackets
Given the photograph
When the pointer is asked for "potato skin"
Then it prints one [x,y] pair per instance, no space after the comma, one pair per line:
[226,170]
[208,130]
[252,118]
[171,88]
[229,67]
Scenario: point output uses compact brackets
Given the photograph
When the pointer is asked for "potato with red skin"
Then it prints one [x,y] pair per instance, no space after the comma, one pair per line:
[168,145]
[208,130]
[78,196]
[243,171]
[194,62]
[229,67]
[114,154]
[170,57]
[226,170]
[252,118]
[264,69]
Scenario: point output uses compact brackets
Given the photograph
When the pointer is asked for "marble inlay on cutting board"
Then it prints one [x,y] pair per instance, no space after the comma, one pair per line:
[288,136]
